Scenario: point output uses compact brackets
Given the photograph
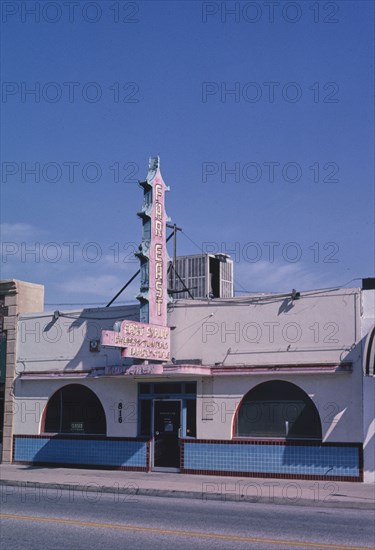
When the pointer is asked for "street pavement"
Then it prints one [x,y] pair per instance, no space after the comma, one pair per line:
[61,519]
[28,480]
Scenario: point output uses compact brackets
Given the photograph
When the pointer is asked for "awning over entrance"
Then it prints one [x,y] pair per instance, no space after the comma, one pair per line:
[163,370]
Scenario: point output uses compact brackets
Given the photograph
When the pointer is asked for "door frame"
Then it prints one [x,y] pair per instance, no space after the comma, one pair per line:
[163,468]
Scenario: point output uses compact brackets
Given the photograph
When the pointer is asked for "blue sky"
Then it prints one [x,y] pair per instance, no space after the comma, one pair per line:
[264,125]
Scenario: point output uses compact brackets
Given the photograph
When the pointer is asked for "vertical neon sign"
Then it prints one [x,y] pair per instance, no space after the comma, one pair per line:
[152,252]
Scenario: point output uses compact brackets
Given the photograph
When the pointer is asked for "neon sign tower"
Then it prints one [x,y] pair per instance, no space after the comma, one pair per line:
[150,338]
[152,252]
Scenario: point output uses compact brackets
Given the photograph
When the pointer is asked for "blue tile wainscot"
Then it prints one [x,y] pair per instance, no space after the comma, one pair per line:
[83,451]
[273,458]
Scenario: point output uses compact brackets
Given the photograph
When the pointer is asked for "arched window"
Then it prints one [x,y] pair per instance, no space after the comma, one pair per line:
[278,409]
[75,409]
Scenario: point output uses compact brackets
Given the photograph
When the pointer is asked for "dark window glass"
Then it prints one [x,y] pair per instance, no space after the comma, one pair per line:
[191,387]
[144,388]
[144,275]
[75,409]
[167,387]
[147,229]
[143,312]
[145,416]
[278,409]
[191,418]
[148,197]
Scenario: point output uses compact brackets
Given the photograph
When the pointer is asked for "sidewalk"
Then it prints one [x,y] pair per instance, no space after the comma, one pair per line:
[341,494]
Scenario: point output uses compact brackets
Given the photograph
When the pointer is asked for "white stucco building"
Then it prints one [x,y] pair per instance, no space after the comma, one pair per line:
[262,385]
[277,385]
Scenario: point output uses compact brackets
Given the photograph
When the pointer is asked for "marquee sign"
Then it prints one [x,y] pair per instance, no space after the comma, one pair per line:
[134,370]
[140,340]
[149,339]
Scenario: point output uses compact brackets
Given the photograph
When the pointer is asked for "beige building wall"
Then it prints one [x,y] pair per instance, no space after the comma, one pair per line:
[19,297]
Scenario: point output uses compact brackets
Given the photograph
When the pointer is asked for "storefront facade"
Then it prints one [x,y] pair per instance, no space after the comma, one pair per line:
[260,390]
[270,385]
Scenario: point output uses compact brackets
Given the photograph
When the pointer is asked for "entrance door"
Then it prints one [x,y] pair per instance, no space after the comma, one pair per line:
[167,422]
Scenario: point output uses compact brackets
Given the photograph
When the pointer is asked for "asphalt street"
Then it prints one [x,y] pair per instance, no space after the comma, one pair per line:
[55,519]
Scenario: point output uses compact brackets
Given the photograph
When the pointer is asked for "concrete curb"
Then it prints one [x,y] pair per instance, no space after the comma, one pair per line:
[197,495]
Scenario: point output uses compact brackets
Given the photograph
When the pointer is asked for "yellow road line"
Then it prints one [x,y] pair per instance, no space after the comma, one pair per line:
[179,533]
